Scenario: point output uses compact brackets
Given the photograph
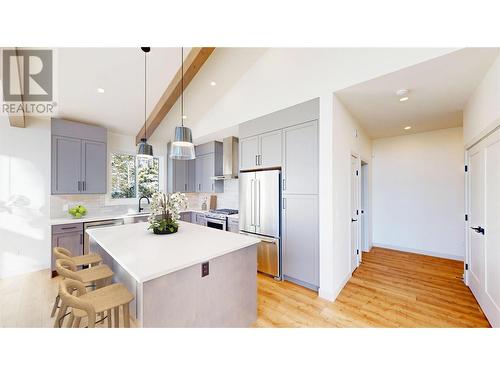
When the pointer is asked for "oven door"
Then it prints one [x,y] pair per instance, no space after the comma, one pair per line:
[216,223]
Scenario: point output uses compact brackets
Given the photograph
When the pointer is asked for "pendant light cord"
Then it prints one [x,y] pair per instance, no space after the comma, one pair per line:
[182,86]
[145,106]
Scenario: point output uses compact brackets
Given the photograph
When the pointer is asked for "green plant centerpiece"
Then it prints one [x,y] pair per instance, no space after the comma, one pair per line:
[165,212]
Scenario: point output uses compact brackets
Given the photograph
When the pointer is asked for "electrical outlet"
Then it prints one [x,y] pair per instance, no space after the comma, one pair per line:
[65,207]
[204,269]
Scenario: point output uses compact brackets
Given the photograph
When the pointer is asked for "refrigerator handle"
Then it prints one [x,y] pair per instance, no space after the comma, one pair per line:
[252,202]
[258,202]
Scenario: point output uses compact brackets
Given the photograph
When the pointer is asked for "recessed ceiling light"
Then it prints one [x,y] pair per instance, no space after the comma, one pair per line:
[403,99]
[100,90]
[403,94]
[407,127]
[213,83]
[184,117]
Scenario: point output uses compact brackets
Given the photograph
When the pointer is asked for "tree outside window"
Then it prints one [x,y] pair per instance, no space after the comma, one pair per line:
[131,174]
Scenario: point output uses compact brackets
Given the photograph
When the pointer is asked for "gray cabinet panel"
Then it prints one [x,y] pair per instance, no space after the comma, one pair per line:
[249,151]
[301,239]
[191,175]
[180,175]
[270,150]
[205,167]
[66,165]
[94,167]
[300,156]
[73,241]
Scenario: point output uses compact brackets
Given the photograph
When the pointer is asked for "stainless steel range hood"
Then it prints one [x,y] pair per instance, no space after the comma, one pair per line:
[230,159]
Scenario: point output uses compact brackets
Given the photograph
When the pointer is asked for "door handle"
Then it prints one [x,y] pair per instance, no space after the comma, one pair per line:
[478,230]
[353,220]
[84,187]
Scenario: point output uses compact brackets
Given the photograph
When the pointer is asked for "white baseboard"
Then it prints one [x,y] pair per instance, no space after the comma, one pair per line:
[419,251]
[332,296]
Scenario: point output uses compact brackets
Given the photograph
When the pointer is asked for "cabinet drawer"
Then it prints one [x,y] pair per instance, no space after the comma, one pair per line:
[66,228]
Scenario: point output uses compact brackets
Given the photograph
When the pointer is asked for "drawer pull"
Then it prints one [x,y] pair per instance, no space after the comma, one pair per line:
[66,228]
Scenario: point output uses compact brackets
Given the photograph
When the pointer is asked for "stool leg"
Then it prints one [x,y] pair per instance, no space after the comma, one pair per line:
[116,311]
[77,322]
[109,318]
[70,321]
[60,316]
[54,308]
[126,316]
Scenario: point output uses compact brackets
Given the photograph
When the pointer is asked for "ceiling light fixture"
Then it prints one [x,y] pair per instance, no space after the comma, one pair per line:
[182,146]
[403,94]
[144,149]
[213,83]
[100,90]
[407,127]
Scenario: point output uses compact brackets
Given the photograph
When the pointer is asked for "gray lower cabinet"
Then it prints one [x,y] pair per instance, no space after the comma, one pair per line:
[201,219]
[185,216]
[301,159]
[69,236]
[79,158]
[300,243]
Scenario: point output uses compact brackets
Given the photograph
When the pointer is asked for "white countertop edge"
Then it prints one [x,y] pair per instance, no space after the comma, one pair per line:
[88,219]
[253,241]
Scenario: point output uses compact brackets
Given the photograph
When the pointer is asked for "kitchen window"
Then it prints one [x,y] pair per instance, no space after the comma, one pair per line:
[133,177]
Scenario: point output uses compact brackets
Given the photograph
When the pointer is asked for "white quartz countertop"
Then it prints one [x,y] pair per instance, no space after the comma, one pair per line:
[99,217]
[146,256]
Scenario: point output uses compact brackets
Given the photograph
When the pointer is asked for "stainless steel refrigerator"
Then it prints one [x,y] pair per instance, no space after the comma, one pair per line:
[259,216]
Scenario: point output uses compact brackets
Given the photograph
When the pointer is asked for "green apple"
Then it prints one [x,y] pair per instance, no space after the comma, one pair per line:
[78,215]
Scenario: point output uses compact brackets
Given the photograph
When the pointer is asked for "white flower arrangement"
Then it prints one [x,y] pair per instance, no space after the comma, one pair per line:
[165,211]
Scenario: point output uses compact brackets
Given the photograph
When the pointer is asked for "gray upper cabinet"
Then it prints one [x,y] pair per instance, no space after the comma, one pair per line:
[300,155]
[208,164]
[66,165]
[249,151]
[301,239]
[180,175]
[187,176]
[270,149]
[79,158]
[262,151]
[93,167]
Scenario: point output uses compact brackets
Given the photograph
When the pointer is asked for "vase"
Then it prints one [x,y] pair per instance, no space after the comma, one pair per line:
[166,231]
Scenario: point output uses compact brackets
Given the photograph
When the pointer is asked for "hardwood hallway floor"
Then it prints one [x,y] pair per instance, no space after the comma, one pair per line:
[389,289]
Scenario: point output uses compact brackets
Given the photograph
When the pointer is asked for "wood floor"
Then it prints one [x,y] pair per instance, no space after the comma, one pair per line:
[389,289]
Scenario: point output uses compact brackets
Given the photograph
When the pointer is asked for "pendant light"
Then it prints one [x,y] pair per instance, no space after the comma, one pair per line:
[145,150]
[182,146]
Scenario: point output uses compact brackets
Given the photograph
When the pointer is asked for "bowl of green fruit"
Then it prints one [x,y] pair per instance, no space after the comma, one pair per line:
[78,211]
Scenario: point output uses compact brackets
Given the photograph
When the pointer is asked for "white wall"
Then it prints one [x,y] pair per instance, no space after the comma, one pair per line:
[418,193]
[24,197]
[281,77]
[345,144]
[482,111]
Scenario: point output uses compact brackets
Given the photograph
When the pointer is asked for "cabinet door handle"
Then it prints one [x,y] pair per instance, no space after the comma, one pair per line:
[81,238]
[199,187]
[256,159]
[79,186]
[284,203]
[284,184]
[260,159]
[84,186]
[185,186]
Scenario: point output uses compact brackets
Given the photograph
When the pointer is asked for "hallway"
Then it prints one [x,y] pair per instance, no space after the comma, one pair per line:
[389,289]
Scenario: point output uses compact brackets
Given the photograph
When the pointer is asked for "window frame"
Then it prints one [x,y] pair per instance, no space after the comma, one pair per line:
[110,201]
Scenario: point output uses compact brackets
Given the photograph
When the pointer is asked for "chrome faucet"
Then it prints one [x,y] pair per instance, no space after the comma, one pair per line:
[140,199]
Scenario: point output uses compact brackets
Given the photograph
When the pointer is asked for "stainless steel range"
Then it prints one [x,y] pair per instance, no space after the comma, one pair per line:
[218,218]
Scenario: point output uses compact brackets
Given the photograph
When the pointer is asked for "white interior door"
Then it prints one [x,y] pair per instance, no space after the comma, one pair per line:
[365,238]
[484,225]
[355,234]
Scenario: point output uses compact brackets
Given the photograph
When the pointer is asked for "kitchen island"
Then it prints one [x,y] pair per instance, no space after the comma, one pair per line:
[166,274]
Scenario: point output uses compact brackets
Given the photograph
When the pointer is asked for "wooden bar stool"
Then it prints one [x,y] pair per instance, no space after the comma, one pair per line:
[97,277]
[90,259]
[98,301]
